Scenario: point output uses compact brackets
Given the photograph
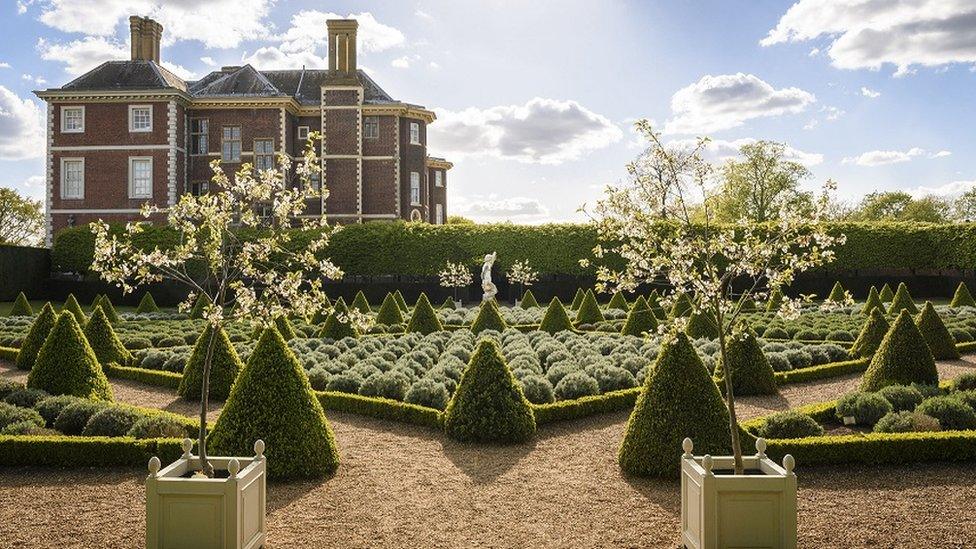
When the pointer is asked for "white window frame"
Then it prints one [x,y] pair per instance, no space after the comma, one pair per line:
[438,178]
[415,184]
[64,119]
[439,214]
[254,151]
[64,193]
[239,141]
[194,135]
[133,160]
[371,122]
[415,133]
[301,130]
[132,127]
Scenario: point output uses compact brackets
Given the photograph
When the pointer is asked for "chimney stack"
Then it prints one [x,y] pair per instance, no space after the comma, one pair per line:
[145,35]
[342,46]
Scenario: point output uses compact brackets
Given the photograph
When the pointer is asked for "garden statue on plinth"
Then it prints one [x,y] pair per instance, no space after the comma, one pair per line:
[486,284]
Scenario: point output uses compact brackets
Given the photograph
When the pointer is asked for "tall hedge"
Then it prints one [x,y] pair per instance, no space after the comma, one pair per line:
[962,297]
[273,401]
[871,335]
[589,310]
[36,336]
[389,313]
[147,305]
[678,400]
[902,358]
[938,338]
[72,306]
[424,319]
[21,306]
[224,367]
[103,340]
[751,372]
[66,364]
[556,319]
[488,405]
[902,301]
[489,318]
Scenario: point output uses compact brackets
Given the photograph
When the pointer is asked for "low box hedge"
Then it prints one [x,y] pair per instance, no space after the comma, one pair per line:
[381,408]
[76,451]
[159,378]
[585,406]
[9,354]
[823,371]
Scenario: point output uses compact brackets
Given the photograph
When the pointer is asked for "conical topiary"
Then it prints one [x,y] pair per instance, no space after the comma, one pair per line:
[701,324]
[902,300]
[654,302]
[103,340]
[424,319]
[147,305]
[556,319]
[679,399]
[682,306]
[200,307]
[66,364]
[640,319]
[886,293]
[488,405]
[751,372]
[902,358]
[872,333]
[21,306]
[273,401]
[389,313]
[448,303]
[749,305]
[36,336]
[400,301]
[224,366]
[836,293]
[338,325]
[322,312]
[284,328]
[589,310]
[962,297]
[938,338]
[775,300]
[577,299]
[618,301]
[110,313]
[489,318]
[360,303]
[528,300]
[873,301]
[71,305]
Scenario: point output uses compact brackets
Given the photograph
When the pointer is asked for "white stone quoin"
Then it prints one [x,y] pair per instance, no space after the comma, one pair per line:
[205,513]
[720,509]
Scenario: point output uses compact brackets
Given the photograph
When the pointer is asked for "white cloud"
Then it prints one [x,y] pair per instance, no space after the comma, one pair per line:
[868,92]
[882,158]
[726,101]
[39,80]
[81,56]
[814,52]
[813,123]
[832,113]
[33,187]
[21,127]
[720,150]
[952,189]
[401,62]
[179,70]
[545,131]
[208,61]
[517,209]
[867,34]
[423,15]
[272,57]
[4,65]
[434,65]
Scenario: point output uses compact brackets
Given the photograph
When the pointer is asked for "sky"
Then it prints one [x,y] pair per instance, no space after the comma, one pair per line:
[536,99]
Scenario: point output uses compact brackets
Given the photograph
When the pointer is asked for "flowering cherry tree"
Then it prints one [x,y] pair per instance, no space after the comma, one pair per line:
[455,276]
[662,224]
[521,274]
[232,252]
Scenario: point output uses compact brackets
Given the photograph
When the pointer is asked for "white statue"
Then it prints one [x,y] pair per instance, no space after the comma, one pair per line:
[486,284]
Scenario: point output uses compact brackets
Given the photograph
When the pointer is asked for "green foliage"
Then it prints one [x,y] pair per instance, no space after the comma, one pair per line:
[74,417]
[902,301]
[749,305]
[21,306]
[537,389]
[25,397]
[871,335]
[158,426]
[682,306]
[424,320]
[200,306]
[906,422]
[284,328]
[751,372]
[576,385]
[382,408]
[962,297]
[337,325]
[654,302]
[618,301]
[873,302]
[488,404]
[159,378]
[775,300]
[360,303]
[577,299]
[273,401]
[589,310]
[71,305]
[824,371]
[400,301]
[489,318]
[902,358]
[679,400]
[528,300]
[448,303]
[389,313]
[903,398]
[702,324]
[952,413]
[103,340]
[11,415]
[114,421]
[429,393]
[790,424]
[886,294]
[106,304]
[836,293]
[940,342]
[556,319]
[36,336]
[66,364]
[640,319]
[224,366]
[147,304]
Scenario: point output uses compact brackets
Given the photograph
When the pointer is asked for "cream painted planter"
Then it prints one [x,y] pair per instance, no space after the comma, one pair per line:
[719,509]
[191,513]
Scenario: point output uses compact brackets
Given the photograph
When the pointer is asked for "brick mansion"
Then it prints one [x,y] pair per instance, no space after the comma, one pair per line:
[131,132]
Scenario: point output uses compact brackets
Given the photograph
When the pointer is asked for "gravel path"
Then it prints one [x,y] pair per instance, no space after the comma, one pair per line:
[406,486]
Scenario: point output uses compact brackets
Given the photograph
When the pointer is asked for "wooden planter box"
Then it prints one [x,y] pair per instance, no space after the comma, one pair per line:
[190,513]
[720,509]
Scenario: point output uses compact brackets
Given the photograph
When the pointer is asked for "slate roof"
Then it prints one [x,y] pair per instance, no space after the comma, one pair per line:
[126,75]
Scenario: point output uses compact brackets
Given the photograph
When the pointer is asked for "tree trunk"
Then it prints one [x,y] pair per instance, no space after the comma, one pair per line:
[729,397]
[205,465]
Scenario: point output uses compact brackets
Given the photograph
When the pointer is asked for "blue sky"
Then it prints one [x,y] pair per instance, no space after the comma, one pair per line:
[535,99]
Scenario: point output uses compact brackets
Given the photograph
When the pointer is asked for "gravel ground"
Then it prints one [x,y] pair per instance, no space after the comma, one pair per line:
[405,486]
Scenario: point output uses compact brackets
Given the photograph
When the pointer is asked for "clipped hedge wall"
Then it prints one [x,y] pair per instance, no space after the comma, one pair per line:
[381,408]
[159,378]
[75,451]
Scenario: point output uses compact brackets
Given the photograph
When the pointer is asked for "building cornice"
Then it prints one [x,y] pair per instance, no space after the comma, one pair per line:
[439,163]
[114,96]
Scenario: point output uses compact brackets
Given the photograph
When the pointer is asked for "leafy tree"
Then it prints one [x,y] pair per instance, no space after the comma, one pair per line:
[900,206]
[762,183]
[964,208]
[21,219]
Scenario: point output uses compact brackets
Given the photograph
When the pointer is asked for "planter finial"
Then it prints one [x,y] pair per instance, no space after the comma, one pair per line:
[187,446]
[233,468]
[760,448]
[687,445]
[259,449]
[707,464]
[154,465]
[788,463]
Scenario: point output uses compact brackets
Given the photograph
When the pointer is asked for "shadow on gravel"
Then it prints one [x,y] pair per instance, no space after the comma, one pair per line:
[663,493]
[484,463]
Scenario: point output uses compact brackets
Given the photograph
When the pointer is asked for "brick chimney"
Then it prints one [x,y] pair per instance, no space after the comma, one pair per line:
[145,35]
[342,46]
